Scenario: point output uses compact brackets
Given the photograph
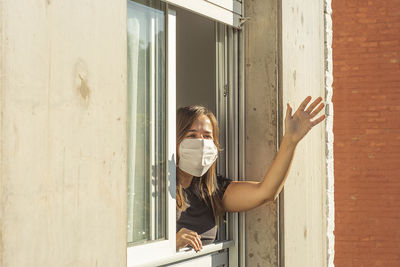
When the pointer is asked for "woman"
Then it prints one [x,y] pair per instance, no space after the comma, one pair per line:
[202,196]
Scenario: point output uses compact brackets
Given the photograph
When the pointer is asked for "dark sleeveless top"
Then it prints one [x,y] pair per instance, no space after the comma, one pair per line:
[198,215]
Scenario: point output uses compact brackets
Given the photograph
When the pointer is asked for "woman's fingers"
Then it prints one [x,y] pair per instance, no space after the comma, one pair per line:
[313,105]
[304,103]
[193,243]
[196,240]
[199,240]
[186,237]
[317,110]
[288,111]
[192,238]
[315,122]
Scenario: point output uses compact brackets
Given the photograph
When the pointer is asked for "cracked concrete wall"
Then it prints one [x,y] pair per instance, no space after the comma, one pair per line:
[63,133]
[261,72]
[302,73]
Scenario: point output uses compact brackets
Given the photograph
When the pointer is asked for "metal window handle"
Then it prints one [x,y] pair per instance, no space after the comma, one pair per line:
[226,90]
[242,21]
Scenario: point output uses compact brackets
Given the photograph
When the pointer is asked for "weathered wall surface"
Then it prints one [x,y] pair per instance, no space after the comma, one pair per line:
[63,133]
[261,126]
[366,53]
[303,62]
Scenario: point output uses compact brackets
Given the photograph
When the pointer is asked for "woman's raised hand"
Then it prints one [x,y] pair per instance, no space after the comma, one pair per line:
[186,237]
[298,125]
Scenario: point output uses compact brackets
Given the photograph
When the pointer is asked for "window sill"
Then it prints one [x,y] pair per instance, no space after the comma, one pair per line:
[186,254]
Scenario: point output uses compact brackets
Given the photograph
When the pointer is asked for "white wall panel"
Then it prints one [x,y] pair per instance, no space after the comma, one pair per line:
[63,133]
[303,74]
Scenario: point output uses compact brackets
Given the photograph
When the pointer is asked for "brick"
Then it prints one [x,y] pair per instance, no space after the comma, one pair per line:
[366,97]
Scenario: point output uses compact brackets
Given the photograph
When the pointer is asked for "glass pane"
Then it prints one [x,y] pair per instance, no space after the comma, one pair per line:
[147,117]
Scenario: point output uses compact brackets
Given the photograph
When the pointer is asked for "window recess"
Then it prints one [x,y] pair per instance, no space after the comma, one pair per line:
[164,74]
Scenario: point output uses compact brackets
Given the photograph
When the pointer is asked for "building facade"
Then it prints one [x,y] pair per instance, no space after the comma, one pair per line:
[89,91]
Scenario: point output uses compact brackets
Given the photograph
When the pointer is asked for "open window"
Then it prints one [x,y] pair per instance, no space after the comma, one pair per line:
[177,57]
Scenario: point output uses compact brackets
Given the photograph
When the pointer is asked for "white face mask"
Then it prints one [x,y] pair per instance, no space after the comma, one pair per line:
[197,155]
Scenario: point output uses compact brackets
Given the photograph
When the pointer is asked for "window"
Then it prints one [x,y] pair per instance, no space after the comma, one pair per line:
[151,133]
[147,104]
[158,71]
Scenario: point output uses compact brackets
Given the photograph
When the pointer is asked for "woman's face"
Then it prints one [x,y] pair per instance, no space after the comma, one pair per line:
[201,129]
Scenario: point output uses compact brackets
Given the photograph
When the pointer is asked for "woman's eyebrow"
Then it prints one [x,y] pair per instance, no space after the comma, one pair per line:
[194,130]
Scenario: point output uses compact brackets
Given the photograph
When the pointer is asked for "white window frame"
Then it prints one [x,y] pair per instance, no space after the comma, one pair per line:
[155,253]
[145,254]
[225,11]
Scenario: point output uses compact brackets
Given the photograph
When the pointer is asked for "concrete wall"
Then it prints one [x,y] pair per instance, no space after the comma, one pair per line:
[261,125]
[303,63]
[63,133]
[302,73]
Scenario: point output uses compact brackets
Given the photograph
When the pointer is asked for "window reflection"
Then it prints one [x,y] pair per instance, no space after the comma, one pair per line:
[146,125]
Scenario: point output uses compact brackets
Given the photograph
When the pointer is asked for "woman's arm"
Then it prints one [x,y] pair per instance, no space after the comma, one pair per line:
[245,195]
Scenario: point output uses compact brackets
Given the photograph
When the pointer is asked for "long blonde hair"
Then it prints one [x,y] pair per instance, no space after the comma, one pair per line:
[208,182]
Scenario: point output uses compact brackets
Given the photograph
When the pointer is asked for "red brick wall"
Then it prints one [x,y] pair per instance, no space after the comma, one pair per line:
[366,69]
